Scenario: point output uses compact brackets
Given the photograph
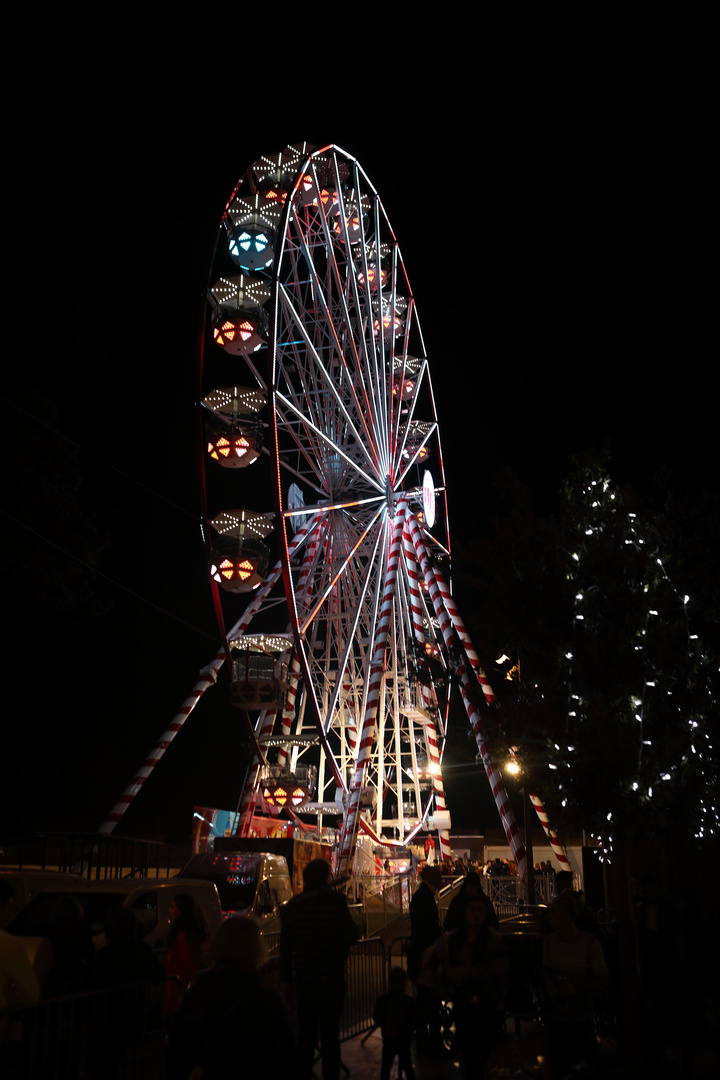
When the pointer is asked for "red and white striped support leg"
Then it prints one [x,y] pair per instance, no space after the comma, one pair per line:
[438,789]
[303,592]
[487,690]
[375,681]
[208,676]
[427,697]
[558,849]
[493,774]
[451,608]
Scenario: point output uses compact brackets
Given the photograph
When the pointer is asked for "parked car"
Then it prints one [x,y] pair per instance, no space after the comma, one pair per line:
[149,898]
[28,883]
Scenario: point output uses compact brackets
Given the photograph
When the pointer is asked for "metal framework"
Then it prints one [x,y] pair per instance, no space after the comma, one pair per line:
[323,317]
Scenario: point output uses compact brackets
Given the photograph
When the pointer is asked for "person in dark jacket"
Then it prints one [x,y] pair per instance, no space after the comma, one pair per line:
[394,1014]
[471,889]
[230,1023]
[425,929]
[315,938]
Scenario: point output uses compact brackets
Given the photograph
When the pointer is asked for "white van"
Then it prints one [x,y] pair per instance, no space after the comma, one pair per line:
[248,883]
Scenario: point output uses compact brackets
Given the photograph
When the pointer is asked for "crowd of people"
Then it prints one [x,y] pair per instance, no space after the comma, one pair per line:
[450,1000]
[465,962]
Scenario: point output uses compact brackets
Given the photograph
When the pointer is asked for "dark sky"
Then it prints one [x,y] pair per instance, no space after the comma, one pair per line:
[555,249]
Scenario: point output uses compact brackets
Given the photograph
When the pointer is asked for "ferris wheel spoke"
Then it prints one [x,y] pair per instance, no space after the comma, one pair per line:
[362,301]
[329,387]
[330,330]
[304,424]
[336,295]
[352,629]
[416,456]
[341,569]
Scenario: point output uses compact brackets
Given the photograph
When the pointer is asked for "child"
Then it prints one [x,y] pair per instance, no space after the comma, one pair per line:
[394,1014]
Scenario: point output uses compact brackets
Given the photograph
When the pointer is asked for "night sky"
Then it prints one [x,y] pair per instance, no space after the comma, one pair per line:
[555,251]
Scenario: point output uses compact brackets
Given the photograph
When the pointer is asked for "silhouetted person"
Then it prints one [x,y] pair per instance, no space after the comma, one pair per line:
[19,986]
[394,1014]
[471,889]
[73,954]
[186,939]
[230,1023]
[425,930]
[477,964]
[315,939]
[125,967]
[574,973]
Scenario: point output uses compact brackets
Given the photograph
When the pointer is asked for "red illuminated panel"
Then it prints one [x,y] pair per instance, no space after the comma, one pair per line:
[228,330]
[243,570]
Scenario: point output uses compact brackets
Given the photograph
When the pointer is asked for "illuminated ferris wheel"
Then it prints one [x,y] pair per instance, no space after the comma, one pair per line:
[309,294]
[338,625]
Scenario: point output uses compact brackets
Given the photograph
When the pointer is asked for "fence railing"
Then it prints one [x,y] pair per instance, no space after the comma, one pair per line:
[93,1035]
[509,893]
[366,980]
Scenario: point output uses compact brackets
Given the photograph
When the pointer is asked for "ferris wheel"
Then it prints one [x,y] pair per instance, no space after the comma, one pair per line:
[333,601]
[308,266]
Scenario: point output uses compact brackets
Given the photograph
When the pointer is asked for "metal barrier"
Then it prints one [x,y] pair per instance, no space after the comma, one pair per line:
[384,899]
[365,979]
[523,981]
[93,1035]
[509,893]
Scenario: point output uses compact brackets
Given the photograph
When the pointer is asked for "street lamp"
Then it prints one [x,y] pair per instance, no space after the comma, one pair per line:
[514,767]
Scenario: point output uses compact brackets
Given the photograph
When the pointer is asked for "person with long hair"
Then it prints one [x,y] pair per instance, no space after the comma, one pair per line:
[476,967]
[186,940]
[231,1023]
[574,974]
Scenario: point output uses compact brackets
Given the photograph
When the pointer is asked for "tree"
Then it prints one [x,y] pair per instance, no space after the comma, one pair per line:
[615,658]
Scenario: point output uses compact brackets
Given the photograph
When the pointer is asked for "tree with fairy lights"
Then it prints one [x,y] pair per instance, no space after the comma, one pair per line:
[634,747]
[614,658]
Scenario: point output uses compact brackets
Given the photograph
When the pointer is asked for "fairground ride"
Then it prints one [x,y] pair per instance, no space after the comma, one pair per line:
[334,606]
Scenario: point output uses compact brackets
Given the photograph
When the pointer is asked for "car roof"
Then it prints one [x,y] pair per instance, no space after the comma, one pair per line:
[36,874]
[125,885]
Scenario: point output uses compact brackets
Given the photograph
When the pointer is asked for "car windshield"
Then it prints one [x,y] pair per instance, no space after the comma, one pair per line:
[37,918]
[236,891]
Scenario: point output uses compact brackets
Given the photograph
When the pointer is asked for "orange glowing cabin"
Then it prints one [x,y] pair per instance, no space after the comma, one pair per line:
[233,435]
[239,559]
[240,331]
[281,788]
